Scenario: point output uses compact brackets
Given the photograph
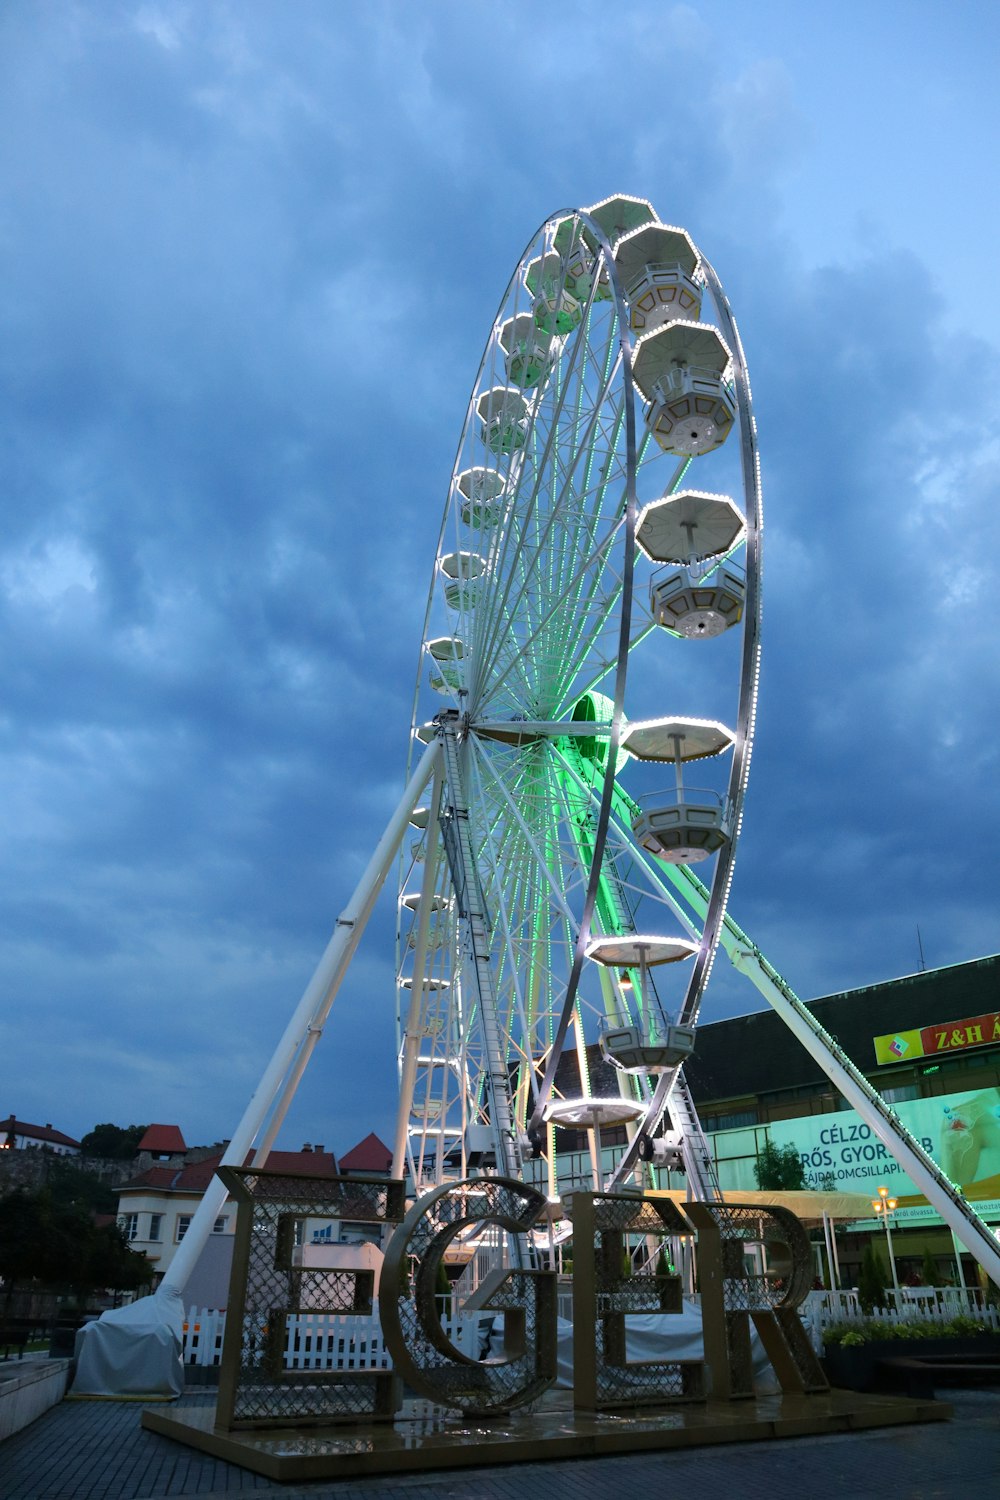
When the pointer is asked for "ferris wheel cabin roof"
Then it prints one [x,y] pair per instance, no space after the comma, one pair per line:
[462,565]
[655,245]
[604,1109]
[620,214]
[446,648]
[633,949]
[542,271]
[662,739]
[503,400]
[412,901]
[521,327]
[480,483]
[680,342]
[688,526]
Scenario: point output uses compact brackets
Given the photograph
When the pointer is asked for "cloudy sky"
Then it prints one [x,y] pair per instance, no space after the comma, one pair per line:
[249,255]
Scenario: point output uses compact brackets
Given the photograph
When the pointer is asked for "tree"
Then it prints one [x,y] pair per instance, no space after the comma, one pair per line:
[109,1262]
[666,1280]
[59,1244]
[114,1141]
[23,1226]
[779,1167]
[72,1186]
[871,1279]
[929,1270]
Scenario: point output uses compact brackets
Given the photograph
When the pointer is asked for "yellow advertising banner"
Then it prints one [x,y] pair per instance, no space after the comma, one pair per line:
[946,1036]
[898,1046]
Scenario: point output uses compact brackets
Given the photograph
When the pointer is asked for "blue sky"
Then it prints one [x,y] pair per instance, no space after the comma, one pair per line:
[249,255]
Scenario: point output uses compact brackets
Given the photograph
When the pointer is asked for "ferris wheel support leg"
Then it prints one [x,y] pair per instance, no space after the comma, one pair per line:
[922,1170]
[303,1030]
[411,1037]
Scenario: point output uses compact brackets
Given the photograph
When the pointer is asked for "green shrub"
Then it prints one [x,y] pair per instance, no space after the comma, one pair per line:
[962,1326]
[850,1335]
[871,1279]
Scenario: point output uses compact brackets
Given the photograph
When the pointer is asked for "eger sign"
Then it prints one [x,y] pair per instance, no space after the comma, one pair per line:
[932,1041]
[272,1290]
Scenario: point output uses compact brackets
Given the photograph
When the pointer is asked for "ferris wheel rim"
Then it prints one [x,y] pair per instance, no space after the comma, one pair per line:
[484,729]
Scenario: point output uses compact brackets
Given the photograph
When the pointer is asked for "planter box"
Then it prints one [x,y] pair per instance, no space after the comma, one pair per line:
[856,1367]
[28,1393]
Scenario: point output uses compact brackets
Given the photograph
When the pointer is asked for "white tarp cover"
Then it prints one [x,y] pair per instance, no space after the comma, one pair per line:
[132,1351]
[667,1336]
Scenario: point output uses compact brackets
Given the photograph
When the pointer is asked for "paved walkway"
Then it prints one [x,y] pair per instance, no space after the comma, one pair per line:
[96,1450]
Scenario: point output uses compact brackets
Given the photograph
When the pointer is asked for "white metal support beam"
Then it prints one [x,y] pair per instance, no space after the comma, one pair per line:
[303,1030]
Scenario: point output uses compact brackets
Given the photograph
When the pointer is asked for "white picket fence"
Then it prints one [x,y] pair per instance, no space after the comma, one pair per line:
[320,1341]
[921,1303]
[335,1341]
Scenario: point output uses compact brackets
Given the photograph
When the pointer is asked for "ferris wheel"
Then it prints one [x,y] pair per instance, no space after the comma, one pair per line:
[589,668]
[586,698]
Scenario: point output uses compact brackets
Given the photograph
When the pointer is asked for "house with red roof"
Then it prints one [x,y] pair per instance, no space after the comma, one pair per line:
[162,1142]
[155,1208]
[369,1158]
[18,1135]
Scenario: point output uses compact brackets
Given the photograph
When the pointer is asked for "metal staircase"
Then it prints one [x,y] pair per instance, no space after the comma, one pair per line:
[474,927]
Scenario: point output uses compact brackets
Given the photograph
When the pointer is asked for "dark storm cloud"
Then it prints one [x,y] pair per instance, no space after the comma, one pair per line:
[249,260]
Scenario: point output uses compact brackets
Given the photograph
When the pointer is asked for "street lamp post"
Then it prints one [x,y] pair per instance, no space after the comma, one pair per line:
[884,1206]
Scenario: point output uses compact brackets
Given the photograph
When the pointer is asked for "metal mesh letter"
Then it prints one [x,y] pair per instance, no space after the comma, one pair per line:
[605,1291]
[271,1289]
[421,1350]
[731,1296]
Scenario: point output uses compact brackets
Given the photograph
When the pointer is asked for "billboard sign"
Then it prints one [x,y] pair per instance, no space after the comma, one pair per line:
[933,1041]
[960,1131]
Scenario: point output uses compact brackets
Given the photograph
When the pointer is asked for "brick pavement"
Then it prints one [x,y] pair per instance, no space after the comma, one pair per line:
[96,1450]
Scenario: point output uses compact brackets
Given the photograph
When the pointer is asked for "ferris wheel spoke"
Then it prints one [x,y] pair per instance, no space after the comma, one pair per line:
[535,559]
[557,609]
[544,427]
[514,811]
[622,840]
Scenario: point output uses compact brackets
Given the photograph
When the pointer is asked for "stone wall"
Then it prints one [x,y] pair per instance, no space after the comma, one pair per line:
[31,1169]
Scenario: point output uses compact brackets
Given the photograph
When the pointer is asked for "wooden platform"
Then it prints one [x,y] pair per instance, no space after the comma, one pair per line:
[425,1436]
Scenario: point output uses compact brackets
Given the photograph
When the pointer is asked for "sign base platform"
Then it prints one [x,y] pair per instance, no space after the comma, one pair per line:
[424,1436]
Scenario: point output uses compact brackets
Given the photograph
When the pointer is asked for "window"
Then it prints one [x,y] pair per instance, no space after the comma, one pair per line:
[155,1226]
[183,1224]
[130,1226]
[219,1227]
[738,1120]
